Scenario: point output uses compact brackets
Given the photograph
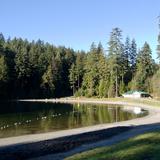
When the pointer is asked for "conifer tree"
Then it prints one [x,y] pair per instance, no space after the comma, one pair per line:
[73,77]
[91,76]
[115,52]
[144,68]
[133,55]
[48,82]
[156,77]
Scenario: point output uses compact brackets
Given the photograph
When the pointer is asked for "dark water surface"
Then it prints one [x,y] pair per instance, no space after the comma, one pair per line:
[19,118]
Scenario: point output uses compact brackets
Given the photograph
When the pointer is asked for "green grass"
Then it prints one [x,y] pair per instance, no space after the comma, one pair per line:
[142,147]
[146,101]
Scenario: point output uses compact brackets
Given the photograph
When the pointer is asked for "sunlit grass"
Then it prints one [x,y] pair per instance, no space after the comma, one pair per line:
[146,101]
[143,147]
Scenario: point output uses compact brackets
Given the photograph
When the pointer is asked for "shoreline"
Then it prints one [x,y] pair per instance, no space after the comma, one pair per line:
[92,100]
[151,119]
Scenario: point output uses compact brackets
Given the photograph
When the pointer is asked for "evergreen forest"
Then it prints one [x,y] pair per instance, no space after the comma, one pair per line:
[41,70]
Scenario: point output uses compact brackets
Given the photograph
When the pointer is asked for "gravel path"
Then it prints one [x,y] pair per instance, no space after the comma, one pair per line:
[141,125]
[115,139]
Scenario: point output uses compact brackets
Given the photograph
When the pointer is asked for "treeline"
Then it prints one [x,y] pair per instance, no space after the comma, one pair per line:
[121,68]
[41,70]
[34,69]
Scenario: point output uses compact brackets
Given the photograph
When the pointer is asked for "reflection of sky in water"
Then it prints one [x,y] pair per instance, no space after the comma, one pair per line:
[137,110]
[29,118]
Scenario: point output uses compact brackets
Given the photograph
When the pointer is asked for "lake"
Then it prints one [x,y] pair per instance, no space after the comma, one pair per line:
[19,118]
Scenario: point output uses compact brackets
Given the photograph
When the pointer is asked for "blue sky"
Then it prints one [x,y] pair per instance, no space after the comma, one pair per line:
[77,23]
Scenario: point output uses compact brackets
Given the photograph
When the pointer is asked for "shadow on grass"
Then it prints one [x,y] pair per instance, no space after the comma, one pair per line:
[66,144]
[142,147]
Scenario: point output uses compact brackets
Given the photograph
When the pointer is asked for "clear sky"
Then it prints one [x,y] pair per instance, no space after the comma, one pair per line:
[77,23]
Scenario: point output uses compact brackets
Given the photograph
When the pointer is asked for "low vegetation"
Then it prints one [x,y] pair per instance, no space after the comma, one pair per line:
[146,101]
[144,146]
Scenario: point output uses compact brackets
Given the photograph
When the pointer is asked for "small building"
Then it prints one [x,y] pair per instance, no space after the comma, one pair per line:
[136,94]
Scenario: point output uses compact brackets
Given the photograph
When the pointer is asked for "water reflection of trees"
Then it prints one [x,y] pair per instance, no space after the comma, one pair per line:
[89,114]
[83,115]
[58,117]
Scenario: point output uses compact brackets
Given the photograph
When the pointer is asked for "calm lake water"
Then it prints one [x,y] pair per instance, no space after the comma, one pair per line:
[19,118]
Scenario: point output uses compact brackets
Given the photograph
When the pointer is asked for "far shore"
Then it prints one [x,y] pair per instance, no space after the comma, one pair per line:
[140,102]
[93,100]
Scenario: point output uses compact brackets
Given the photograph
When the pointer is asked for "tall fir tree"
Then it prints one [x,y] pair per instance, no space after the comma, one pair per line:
[133,55]
[90,79]
[144,68]
[73,77]
[115,52]
[156,77]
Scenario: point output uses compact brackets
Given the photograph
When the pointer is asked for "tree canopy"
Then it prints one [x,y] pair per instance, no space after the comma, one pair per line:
[41,70]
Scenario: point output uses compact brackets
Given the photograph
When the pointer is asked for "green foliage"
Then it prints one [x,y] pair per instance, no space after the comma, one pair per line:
[34,70]
[116,59]
[158,48]
[90,78]
[156,84]
[48,82]
[102,88]
[145,68]
[3,76]
[133,55]
[95,72]
[73,77]
[3,70]
[76,73]
[38,70]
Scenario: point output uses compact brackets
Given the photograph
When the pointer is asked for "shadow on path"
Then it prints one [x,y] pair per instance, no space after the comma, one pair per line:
[60,148]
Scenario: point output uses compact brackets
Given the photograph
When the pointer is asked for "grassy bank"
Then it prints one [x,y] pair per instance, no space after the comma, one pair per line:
[147,101]
[146,146]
